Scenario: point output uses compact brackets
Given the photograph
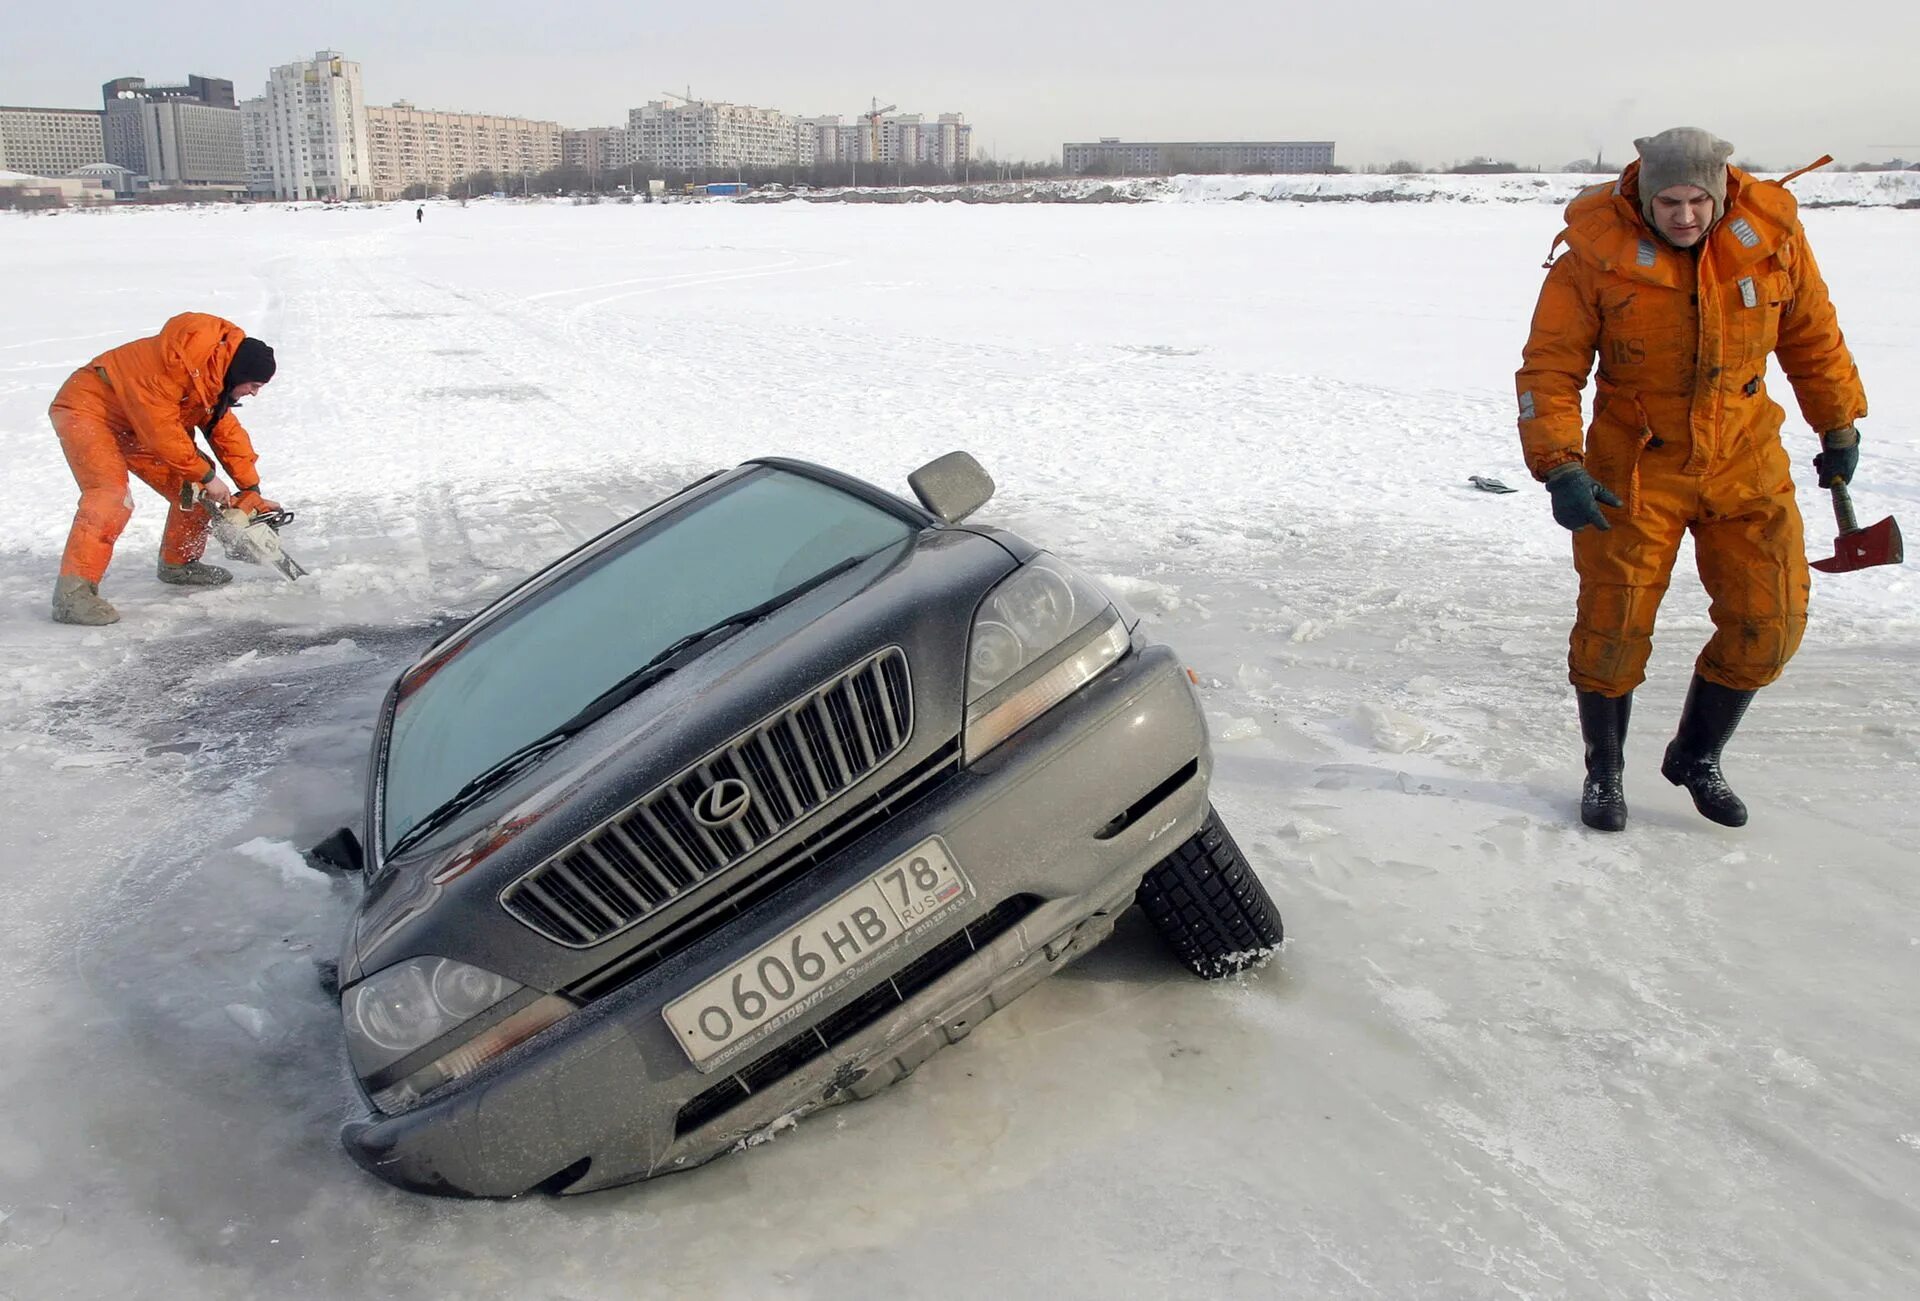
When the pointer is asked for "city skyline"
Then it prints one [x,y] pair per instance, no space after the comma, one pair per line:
[1441,86]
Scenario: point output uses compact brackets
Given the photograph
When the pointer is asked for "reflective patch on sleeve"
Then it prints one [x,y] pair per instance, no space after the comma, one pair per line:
[1526,405]
[1747,295]
[1744,232]
[1648,253]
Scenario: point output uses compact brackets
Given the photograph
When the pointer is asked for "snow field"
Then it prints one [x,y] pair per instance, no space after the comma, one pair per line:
[1500,1055]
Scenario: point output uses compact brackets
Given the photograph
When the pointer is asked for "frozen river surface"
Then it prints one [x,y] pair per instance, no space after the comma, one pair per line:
[1500,1056]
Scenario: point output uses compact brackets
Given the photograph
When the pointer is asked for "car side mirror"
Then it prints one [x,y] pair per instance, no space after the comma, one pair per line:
[340,852]
[952,486]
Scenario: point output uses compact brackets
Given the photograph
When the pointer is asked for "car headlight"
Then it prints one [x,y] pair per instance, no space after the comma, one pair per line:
[1042,633]
[395,1013]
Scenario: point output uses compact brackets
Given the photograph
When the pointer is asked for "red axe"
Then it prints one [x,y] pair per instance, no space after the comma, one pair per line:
[1860,548]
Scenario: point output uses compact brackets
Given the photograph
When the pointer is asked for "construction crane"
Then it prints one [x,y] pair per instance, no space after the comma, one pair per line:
[688,97]
[872,116]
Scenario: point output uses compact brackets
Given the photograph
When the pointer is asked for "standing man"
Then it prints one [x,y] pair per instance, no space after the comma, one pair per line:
[1682,276]
[133,410]
[420,213]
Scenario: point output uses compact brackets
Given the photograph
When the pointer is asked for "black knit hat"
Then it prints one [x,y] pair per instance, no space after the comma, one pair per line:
[252,364]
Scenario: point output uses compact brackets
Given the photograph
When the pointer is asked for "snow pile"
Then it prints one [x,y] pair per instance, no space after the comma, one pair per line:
[1817,189]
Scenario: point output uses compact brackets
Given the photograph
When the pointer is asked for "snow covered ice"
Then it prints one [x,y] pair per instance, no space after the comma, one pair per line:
[1499,1056]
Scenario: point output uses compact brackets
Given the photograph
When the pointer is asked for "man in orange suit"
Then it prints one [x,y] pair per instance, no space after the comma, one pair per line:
[1682,278]
[133,410]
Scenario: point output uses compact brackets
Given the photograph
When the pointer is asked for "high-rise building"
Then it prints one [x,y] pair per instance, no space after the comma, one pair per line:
[415,146]
[127,124]
[256,146]
[316,129]
[597,149]
[906,138]
[704,134]
[194,146]
[49,141]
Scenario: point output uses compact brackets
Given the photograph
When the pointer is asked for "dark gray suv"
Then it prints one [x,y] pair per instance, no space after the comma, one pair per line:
[747,807]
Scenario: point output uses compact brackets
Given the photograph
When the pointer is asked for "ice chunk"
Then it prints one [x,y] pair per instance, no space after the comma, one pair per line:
[280,854]
[1393,731]
[1237,729]
[253,1020]
[99,759]
[32,1226]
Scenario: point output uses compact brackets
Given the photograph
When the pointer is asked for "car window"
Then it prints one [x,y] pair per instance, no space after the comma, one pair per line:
[535,667]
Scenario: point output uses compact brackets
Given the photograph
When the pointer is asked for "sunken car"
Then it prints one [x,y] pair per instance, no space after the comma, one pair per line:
[746,807]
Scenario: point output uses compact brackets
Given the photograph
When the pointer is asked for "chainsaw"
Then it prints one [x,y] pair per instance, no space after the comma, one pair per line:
[252,538]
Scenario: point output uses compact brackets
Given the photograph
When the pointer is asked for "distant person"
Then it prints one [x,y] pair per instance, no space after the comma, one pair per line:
[1681,277]
[133,410]
[420,213]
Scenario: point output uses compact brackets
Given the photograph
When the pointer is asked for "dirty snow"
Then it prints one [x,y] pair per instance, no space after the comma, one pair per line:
[1500,1056]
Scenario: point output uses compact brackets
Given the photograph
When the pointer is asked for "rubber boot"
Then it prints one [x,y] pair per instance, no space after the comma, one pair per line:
[78,600]
[194,574]
[1711,714]
[1603,724]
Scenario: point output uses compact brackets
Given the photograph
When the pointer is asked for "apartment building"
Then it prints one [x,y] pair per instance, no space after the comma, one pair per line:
[415,146]
[705,134]
[50,141]
[945,142]
[1111,155]
[256,146]
[907,138]
[597,149]
[316,130]
[817,140]
[126,124]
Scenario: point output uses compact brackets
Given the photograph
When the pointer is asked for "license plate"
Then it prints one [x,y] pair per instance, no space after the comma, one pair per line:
[777,982]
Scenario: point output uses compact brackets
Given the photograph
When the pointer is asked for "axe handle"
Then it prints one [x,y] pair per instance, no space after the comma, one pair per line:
[1843,510]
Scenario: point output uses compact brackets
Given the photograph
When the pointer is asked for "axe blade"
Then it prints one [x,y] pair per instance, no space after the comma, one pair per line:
[1876,544]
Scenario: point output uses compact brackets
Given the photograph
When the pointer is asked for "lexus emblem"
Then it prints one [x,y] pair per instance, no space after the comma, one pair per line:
[722,802]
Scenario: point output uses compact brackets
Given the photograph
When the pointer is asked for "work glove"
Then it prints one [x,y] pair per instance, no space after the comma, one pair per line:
[1575,495]
[191,493]
[1839,458]
[250,501]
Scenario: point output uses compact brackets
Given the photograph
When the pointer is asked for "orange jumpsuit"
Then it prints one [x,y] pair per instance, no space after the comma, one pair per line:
[1683,431]
[133,410]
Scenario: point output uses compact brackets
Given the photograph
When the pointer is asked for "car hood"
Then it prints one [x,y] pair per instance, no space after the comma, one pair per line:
[442,897]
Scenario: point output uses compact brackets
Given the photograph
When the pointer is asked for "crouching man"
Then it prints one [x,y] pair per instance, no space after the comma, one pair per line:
[1682,277]
[133,410]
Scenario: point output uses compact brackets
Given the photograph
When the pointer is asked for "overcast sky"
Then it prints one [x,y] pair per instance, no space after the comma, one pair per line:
[1538,83]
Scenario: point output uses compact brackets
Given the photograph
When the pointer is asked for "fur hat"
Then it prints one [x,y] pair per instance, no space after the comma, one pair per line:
[1683,155]
[252,363]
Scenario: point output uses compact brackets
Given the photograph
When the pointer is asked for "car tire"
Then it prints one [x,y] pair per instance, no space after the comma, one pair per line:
[1209,906]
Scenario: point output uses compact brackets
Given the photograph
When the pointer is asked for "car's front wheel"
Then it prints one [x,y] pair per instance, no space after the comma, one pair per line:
[1209,906]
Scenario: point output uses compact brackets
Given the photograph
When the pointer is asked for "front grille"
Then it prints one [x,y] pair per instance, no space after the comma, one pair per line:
[741,891]
[856,1016]
[793,763]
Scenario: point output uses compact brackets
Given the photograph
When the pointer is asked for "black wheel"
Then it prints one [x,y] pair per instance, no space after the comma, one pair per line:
[1209,906]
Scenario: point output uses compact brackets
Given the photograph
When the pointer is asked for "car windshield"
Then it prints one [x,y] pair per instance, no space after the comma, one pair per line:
[763,535]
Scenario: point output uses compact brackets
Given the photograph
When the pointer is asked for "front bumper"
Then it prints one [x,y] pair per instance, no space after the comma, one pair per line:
[1061,821]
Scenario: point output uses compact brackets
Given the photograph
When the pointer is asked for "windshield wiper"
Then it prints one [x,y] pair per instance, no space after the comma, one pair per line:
[478,788]
[665,662]
[674,655]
